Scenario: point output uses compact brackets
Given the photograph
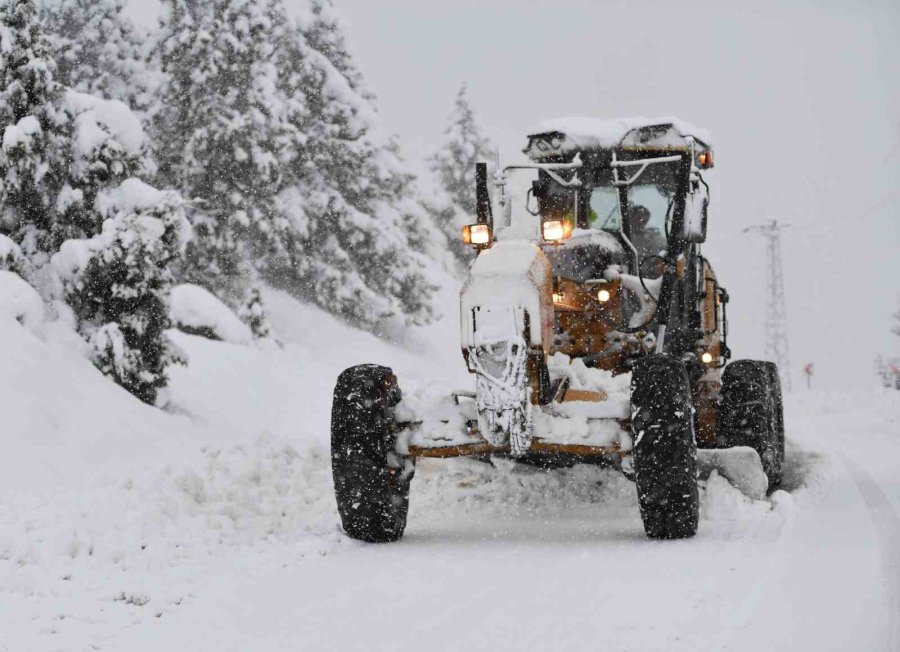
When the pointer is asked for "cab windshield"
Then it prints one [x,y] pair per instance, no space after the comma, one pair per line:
[533,196]
[651,198]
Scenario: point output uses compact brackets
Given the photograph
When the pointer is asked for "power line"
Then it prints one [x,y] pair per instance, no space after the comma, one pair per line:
[777,348]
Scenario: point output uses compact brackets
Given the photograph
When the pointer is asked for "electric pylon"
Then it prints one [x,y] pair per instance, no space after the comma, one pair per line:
[777,349]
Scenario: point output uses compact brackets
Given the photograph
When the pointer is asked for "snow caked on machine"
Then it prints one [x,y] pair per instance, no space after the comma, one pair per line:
[595,329]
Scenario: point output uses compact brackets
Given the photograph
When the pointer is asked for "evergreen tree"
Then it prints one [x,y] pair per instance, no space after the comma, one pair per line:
[35,149]
[99,51]
[220,135]
[118,284]
[454,166]
[349,200]
[465,145]
[11,258]
[253,313]
[59,146]
[888,367]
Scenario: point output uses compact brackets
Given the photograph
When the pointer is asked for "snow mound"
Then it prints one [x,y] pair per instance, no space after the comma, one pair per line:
[740,465]
[20,301]
[197,311]
[98,120]
[130,196]
[21,134]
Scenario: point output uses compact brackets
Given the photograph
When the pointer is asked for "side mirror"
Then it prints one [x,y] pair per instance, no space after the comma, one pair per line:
[482,198]
[696,208]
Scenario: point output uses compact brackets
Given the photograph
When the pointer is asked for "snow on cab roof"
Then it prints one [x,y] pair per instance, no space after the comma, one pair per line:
[575,133]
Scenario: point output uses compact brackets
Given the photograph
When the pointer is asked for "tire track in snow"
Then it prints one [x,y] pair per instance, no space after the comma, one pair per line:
[887,529]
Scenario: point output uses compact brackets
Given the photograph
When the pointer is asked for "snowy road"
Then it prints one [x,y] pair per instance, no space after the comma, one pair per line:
[513,559]
[211,536]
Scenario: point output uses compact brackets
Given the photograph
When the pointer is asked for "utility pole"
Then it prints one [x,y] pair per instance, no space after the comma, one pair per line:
[777,349]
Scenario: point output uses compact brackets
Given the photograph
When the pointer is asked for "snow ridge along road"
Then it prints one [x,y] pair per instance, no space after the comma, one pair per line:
[214,527]
[887,525]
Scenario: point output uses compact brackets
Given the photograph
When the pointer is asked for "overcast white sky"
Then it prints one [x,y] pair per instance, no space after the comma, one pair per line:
[802,99]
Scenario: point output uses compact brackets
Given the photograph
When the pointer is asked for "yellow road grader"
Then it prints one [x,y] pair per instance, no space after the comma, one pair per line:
[595,329]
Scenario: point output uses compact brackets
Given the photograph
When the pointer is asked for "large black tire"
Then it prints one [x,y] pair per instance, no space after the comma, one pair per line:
[371,482]
[753,413]
[665,449]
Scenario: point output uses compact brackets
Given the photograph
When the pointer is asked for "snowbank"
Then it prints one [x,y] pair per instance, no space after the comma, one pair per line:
[20,301]
[121,525]
[197,311]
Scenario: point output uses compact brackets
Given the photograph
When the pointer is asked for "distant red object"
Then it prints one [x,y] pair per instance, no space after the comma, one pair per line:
[808,369]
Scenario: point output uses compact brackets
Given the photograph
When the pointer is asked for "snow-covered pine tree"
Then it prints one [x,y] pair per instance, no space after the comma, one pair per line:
[118,284]
[888,367]
[36,147]
[99,51]
[350,202]
[11,257]
[454,166]
[220,134]
[65,164]
[253,313]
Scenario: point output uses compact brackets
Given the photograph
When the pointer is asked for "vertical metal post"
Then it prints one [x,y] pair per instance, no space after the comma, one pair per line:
[777,348]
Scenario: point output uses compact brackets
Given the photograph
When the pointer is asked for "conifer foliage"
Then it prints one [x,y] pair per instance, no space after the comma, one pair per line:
[266,121]
[454,166]
[99,51]
[465,145]
[260,125]
[35,150]
[888,367]
[358,250]
[70,221]
[220,134]
[119,282]
[253,313]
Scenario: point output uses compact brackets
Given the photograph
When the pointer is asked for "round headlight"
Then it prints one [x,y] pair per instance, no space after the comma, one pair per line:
[603,296]
[706,357]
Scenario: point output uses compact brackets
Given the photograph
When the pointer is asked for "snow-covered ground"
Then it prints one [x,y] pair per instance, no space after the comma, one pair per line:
[212,525]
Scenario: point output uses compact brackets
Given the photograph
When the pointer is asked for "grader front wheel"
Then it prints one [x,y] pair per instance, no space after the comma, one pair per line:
[372,490]
[665,450]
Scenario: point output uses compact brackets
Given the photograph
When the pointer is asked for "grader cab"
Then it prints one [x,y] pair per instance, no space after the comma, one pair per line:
[595,329]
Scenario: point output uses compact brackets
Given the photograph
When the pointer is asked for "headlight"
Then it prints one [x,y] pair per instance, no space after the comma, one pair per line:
[477,234]
[555,230]
[706,357]
[603,296]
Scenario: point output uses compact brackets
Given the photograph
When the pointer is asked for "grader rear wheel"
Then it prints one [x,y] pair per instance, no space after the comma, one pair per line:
[753,415]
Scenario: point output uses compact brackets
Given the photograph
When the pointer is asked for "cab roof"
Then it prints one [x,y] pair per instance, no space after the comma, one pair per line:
[562,136]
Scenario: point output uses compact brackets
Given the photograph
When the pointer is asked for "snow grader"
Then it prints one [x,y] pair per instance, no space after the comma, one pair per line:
[595,329]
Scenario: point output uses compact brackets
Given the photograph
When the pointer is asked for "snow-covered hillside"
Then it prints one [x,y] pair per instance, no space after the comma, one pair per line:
[212,525]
